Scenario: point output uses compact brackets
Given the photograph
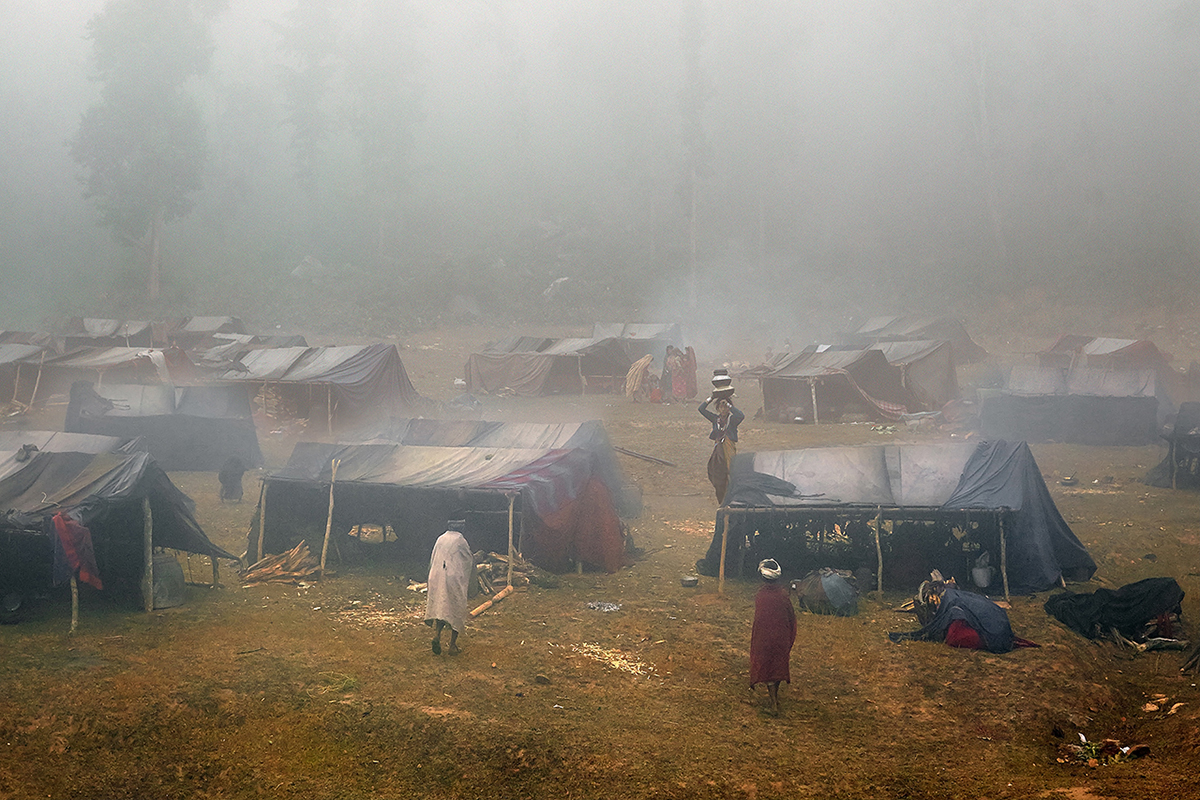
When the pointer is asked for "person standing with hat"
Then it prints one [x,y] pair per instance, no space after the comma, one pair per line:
[724,431]
[773,634]
[450,570]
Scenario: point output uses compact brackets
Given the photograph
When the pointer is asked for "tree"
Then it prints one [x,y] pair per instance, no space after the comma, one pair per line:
[143,145]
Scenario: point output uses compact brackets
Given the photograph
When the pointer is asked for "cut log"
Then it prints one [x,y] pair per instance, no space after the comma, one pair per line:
[500,595]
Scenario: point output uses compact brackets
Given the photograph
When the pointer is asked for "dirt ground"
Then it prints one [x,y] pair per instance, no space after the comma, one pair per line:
[329,690]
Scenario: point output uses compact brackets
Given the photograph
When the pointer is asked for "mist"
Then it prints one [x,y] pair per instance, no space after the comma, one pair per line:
[790,163]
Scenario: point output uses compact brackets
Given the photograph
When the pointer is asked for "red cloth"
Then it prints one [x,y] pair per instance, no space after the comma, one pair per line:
[689,372]
[773,635]
[960,634]
[73,553]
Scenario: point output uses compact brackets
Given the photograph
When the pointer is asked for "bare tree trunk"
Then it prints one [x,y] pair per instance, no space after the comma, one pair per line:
[154,256]
[987,148]
[694,287]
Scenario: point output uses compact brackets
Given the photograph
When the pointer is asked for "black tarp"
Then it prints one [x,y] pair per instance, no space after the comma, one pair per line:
[1181,467]
[820,503]
[986,618]
[105,492]
[1127,609]
[195,428]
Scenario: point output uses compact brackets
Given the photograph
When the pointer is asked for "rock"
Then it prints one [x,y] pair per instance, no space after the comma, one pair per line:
[541,679]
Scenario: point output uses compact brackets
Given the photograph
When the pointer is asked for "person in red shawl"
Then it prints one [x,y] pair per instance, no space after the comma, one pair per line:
[773,634]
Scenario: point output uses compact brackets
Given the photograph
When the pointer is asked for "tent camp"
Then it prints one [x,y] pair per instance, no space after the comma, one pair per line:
[589,436]
[53,374]
[562,366]
[561,510]
[1072,350]
[912,329]
[1079,406]
[184,427]
[126,502]
[823,386]
[936,506]
[18,370]
[641,338]
[186,332]
[340,385]
[1181,468]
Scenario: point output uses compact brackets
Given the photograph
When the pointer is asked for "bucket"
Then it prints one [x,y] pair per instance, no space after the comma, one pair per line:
[982,576]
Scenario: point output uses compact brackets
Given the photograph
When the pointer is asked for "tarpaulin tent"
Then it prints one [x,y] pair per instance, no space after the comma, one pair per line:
[823,386]
[1181,468]
[563,509]
[1078,406]
[589,435]
[564,366]
[641,338]
[916,328]
[345,385]
[188,331]
[17,447]
[1073,351]
[927,368]
[946,505]
[194,428]
[89,332]
[13,357]
[107,493]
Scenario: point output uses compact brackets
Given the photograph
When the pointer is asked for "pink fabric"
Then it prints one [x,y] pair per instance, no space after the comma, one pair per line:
[772,636]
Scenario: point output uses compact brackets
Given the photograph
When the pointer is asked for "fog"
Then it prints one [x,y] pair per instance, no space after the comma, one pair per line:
[676,159]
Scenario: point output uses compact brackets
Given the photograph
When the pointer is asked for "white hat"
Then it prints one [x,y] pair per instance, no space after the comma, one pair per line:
[769,568]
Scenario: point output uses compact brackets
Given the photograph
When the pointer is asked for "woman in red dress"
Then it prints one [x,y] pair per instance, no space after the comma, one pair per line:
[773,634]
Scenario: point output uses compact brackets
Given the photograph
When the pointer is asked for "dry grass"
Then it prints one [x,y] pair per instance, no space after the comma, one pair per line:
[330,691]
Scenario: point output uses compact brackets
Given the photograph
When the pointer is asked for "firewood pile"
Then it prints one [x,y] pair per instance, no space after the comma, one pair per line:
[293,566]
[493,573]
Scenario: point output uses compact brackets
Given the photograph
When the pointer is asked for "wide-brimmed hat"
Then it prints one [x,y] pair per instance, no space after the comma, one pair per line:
[769,568]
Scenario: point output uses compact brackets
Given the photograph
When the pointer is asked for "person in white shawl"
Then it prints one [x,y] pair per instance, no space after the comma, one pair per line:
[450,569]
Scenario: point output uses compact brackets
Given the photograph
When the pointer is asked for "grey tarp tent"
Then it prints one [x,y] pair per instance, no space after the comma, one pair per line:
[946,504]
[563,510]
[16,447]
[823,386]
[589,435]
[1078,406]
[343,385]
[918,328]
[194,428]
[104,492]
[90,332]
[642,338]
[927,369]
[564,366]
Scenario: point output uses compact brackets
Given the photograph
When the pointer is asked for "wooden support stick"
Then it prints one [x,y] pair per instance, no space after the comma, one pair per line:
[496,598]
[148,556]
[329,408]
[521,534]
[328,519]
[879,551]
[645,457]
[812,385]
[724,547]
[38,380]
[1171,458]
[16,383]
[262,518]
[1003,555]
[216,571]
[74,604]
[512,498]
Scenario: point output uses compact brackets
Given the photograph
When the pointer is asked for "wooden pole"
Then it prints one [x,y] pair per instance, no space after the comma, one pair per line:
[216,572]
[1003,554]
[812,385]
[521,533]
[262,518]
[724,547]
[879,550]
[148,556]
[1171,458]
[16,383]
[328,519]
[496,598]
[512,498]
[74,604]
[329,408]
[38,380]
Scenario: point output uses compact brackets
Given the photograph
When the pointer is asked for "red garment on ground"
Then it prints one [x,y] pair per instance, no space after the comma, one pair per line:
[960,634]
[772,636]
